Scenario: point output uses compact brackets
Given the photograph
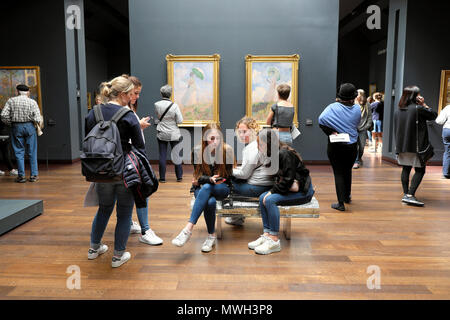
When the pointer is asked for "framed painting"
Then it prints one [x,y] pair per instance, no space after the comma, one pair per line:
[444,96]
[263,75]
[10,77]
[195,84]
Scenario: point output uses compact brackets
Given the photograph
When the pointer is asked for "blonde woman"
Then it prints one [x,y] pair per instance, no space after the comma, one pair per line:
[252,178]
[117,94]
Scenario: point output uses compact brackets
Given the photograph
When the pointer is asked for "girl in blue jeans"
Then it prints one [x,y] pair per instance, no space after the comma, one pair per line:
[293,187]
[213,159]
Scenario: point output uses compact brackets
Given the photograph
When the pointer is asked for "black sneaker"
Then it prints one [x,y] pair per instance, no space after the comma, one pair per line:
[34,178]
[21,179]
[162,180]
[413,201]
[338,206]
[179,179]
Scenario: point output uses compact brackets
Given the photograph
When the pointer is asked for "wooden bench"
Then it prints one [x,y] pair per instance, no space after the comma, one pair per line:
[249,207]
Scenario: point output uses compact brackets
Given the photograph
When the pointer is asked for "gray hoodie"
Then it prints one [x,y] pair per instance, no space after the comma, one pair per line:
[168,128]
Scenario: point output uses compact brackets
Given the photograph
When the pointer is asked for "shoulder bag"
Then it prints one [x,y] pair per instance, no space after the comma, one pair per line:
[164,113]
[428,153]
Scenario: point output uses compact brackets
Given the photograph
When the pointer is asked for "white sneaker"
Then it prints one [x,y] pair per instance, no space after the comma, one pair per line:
[14,172]
[181,238]
[235,221]
[93,254]
[150,238]
[252,245]
[2,173]
[135,228]
[209,243]
[268,247]
[117,262]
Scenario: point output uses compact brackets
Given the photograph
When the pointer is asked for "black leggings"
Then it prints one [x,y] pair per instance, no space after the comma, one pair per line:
[415,181]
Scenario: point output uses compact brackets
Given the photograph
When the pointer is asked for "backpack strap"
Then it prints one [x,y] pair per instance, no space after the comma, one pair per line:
[119,114]
[98,113]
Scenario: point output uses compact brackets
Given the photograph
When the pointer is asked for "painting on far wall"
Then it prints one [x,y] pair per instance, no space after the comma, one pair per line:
[264,74]
[444,97]
[195,83]
[10,77]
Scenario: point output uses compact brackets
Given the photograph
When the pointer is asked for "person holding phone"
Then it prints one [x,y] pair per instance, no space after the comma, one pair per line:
[411,136]
[213,165]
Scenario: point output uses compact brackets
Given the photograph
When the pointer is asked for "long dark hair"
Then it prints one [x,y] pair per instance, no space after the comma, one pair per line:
[409,96]
[269,137]
[223,151]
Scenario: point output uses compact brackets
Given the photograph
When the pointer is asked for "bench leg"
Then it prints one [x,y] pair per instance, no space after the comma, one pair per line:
[219,226]
[287,228]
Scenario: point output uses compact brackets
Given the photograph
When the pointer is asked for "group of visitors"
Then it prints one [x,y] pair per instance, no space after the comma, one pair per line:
[216,174]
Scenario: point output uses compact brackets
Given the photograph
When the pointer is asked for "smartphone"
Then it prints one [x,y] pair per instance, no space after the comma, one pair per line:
[218,179]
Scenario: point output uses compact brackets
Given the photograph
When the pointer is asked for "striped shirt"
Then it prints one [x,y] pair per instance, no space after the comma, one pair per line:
[21,109]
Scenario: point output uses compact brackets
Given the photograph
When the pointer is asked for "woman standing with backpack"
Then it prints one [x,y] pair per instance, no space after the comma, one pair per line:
[117,93]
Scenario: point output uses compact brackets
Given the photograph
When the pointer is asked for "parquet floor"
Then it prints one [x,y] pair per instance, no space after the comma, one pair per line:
[327,258]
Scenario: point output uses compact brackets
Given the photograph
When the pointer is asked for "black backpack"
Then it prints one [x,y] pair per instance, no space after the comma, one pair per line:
[102,157]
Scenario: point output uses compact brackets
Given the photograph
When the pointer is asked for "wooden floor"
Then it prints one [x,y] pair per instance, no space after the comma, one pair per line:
[327,258]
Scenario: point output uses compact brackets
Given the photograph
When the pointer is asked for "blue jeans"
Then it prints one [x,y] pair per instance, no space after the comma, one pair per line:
[24,139]
[249,190]
[142,214]
[271,214]
[163,156]
[285,136]
[205,201]
[446,156]
[377,126]
[107,195]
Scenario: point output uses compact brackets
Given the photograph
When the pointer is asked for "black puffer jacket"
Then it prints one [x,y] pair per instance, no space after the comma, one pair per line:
[139,177]
[290,169]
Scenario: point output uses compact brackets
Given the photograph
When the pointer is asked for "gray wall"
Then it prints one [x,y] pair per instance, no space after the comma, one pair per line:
[36,35]
[422,54]
[425,62]
[234,29]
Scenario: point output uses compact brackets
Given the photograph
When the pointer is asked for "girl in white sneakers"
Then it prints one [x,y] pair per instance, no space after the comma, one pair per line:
[213,165]
[293,187]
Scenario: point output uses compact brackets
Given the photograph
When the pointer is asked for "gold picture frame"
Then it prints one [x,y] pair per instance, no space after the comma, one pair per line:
[444,96]
[10,77]
[280,69]
[195,84]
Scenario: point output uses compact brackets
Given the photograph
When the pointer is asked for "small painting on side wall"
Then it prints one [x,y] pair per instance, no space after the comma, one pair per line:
[10,77]
[444,97]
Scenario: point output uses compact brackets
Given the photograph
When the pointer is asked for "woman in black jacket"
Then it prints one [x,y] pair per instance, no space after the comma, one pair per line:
[293,187]
[411,136]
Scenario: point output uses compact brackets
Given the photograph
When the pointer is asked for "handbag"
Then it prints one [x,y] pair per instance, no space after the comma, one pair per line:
[39,126]
[428,153]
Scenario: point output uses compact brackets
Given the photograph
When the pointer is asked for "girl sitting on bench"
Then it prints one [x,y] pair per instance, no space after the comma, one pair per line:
[251,178]
[292,187]
[213,165]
